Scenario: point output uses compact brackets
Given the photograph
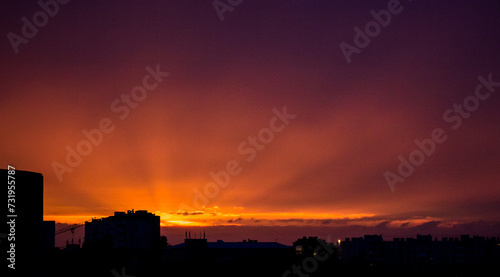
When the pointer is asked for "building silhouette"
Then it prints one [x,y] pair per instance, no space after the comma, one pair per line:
[48,231]
[27,232]
[310,246]
[200,249]
[131,230]
[198,257]
[422,251]
[132,239]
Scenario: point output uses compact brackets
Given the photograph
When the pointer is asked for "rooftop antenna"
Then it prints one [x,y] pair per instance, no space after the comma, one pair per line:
[72,234]
[203,234]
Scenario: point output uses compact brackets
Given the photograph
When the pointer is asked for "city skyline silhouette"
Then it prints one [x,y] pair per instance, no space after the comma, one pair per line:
[257,121]
[133,239]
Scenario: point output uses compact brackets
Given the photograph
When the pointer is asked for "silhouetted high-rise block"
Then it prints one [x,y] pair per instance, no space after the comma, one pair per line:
[22,230]
[131,230]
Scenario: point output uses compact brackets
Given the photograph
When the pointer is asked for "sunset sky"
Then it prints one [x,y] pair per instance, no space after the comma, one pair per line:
[227,81]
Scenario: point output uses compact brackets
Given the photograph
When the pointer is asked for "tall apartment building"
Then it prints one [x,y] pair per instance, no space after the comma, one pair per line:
[131,230]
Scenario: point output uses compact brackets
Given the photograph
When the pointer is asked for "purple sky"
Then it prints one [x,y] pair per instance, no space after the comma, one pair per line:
[325,169]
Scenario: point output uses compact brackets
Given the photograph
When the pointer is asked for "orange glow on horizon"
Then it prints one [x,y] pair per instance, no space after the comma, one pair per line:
[251,219]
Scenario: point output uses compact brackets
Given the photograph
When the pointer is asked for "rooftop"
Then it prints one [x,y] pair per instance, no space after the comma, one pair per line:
[241,245]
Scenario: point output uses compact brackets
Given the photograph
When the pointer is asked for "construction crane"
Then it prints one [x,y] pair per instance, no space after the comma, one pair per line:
[70,228]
